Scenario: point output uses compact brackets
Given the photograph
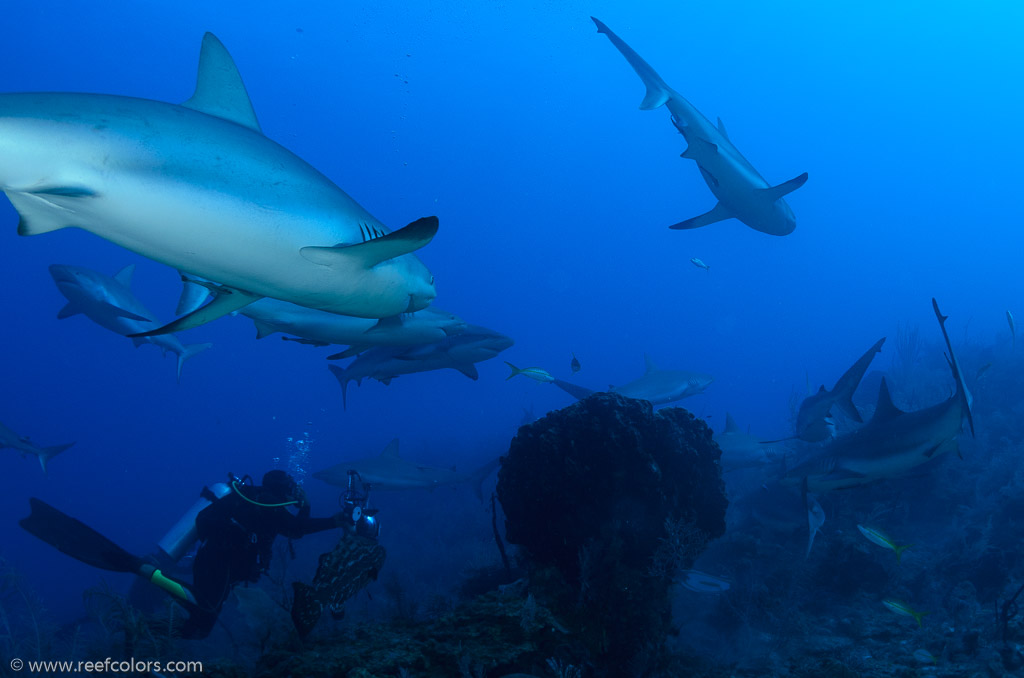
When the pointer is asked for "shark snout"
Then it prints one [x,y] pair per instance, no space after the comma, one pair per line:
[63,274]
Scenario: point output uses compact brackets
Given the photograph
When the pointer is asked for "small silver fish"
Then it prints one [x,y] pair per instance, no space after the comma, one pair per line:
[1013,330]
[699,582]
[700,264]
[575,364]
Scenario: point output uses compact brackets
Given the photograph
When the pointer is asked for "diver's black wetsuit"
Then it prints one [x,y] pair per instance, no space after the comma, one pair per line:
[236,538]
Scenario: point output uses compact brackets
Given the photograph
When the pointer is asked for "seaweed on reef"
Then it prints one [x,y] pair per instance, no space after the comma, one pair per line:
[139,636]
[25,630]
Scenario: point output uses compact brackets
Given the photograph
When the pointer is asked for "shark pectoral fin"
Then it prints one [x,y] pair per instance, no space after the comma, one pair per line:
[384,324]
[718,213]
[122,313]
[348,352]
[69,309]
[468,369]
[220,91]
[944,447]
[372,252]
[36,214]
[227,300]
[124,276]
[193,294]
[263,329]
[773,193]
[699,148]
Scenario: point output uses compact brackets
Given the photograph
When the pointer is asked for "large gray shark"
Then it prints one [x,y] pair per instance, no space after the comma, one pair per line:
[459,352]
[9,438]
[741,191]
[389,471]
[742,450]
[322,328]
[110,303]
[659,387]
[199,187]
[893,442]
[814,418]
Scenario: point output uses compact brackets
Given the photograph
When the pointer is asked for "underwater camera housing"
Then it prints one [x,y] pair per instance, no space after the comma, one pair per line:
[355,506]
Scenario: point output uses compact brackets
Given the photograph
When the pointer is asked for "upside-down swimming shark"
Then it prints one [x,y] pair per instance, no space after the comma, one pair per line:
[460,352]
[656,386]
[893,442]
[198,187]
[389,471]
[9,438]
[321,328]
[741,191]
[110,303]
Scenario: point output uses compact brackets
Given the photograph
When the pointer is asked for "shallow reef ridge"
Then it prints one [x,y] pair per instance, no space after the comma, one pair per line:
[608,500]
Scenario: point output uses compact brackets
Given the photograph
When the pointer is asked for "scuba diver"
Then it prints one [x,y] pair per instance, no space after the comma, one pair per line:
[236,532]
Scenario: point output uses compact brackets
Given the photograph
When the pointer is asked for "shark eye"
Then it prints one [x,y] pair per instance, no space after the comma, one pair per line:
[431,281]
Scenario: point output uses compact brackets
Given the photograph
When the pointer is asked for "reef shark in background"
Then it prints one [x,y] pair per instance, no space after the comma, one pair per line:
[389,471]
[741,191]
[659,387]
[322,329]
[460,352]
[893,442]
[110,303]
[199,187]
[814,418]
[9,438]
[743,450]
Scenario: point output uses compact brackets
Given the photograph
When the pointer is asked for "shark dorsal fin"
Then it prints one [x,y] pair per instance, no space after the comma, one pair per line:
[124,276]
[821,389]
[219,88]
[773,193]
[649,365]
[885,409]
[391,451]
[730,424]
[721,129]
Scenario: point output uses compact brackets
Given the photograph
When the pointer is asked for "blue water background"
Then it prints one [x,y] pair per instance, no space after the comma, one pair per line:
[517,125]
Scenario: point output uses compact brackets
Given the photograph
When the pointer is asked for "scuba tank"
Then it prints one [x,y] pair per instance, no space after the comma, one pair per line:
[180,539]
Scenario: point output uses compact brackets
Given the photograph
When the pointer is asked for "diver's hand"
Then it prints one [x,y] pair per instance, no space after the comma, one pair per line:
[301,502]
[342,520]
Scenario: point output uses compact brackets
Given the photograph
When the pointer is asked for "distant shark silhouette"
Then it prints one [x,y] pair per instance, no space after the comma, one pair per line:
[659,387]
[9,438]
[110,303]
[741,191]
[742,450]
[199,187]
[893,442]
[389,471]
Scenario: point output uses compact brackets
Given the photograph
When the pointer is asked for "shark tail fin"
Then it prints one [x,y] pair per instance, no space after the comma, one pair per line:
[961,387]
[49,453]
[899,550]
[514,372]
[190,350]
[578,392]
[482,474]
[658,93]
[339,374]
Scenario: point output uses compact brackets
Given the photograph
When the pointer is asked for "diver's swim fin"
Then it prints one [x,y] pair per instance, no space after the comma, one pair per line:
[78,540]
[81,542]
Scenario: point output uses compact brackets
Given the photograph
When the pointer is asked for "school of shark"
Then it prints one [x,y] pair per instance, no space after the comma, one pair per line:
[255,233]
